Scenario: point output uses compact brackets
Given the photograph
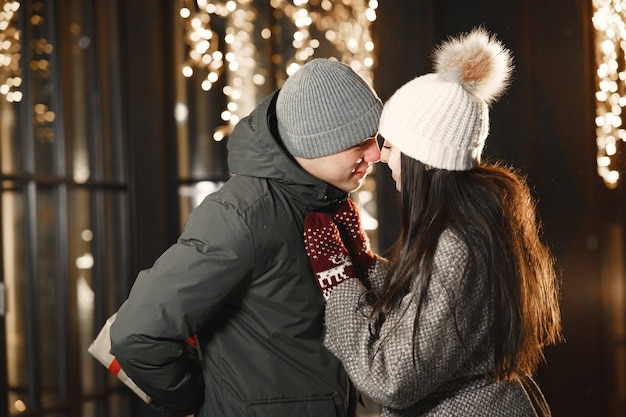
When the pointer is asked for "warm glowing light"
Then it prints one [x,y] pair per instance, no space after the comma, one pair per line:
[231,52]
[609,21]
[85,261]
[181,112]
[10,77]
[604,161]
[187,71]
[293,67]
[86,235]
[258,79]
[20,406]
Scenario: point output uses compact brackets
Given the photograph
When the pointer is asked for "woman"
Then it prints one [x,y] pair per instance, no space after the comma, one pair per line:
[455,323]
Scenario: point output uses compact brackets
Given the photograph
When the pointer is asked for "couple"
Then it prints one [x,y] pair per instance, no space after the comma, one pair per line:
[453,324]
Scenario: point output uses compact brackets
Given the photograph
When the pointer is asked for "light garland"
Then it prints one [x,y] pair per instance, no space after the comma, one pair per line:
[10,71]
[609,22]
[343,25]
[10,78]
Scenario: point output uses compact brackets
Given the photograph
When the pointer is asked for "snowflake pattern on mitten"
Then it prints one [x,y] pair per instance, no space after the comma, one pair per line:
[327,254]
[354,237]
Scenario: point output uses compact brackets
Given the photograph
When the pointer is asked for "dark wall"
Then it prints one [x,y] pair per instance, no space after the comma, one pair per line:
[544,125]
[147,52]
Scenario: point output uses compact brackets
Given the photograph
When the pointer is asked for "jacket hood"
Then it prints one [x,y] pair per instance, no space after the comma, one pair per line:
[254,150]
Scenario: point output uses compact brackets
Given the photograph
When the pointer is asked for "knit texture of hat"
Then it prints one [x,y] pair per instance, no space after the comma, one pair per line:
[324,108]
[442,118]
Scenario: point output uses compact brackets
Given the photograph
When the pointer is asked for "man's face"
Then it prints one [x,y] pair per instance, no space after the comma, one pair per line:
[347,169]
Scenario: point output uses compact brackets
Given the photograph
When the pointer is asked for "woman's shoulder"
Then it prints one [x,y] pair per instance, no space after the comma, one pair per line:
[451,242]
[452,256]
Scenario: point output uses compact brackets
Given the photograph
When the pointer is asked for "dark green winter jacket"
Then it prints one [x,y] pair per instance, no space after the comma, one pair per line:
[239,278]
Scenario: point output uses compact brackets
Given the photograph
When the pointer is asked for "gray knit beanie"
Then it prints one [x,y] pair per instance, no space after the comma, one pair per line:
[324,108]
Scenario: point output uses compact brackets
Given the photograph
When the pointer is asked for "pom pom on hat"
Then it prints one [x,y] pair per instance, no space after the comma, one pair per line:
[324,108]
[442,118]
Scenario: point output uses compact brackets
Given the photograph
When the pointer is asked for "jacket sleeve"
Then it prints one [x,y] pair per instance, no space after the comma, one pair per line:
[179,295]
[385,369]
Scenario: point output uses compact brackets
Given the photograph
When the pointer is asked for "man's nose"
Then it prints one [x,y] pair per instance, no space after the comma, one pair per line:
[372,152]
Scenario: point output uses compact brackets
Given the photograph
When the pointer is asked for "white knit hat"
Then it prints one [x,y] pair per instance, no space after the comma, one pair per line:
[442,118]
[324,108]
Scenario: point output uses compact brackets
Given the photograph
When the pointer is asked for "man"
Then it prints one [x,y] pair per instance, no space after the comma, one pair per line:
[239,277]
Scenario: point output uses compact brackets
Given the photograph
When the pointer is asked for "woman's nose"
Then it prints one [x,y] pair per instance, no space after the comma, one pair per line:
[384,156]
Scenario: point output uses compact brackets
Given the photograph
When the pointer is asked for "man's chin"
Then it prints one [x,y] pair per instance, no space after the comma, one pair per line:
[354,186]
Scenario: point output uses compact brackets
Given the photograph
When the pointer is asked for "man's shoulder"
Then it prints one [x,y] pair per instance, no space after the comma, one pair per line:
[269,218]
[241,192]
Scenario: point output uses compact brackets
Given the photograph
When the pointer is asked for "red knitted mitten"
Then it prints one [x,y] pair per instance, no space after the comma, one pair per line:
[354,237]
[328,256]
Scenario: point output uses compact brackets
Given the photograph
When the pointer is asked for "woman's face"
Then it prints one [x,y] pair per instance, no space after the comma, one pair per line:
[390,155]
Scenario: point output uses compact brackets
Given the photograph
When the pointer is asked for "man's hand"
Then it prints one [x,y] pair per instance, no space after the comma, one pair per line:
[328,256]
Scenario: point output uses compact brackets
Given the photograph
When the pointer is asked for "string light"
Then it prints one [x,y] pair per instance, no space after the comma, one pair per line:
[10,72]
[10,78]
[223,38]
[609,21]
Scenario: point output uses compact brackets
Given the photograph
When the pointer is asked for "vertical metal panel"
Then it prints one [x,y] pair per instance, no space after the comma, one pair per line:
[4,385]
[61,238]
[94,143]
[97,198]
[30,215]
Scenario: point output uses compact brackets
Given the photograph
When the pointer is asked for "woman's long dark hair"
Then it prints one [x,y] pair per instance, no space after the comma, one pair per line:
[492,210]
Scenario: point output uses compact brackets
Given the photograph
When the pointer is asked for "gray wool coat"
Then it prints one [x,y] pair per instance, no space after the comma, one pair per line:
[451,354]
